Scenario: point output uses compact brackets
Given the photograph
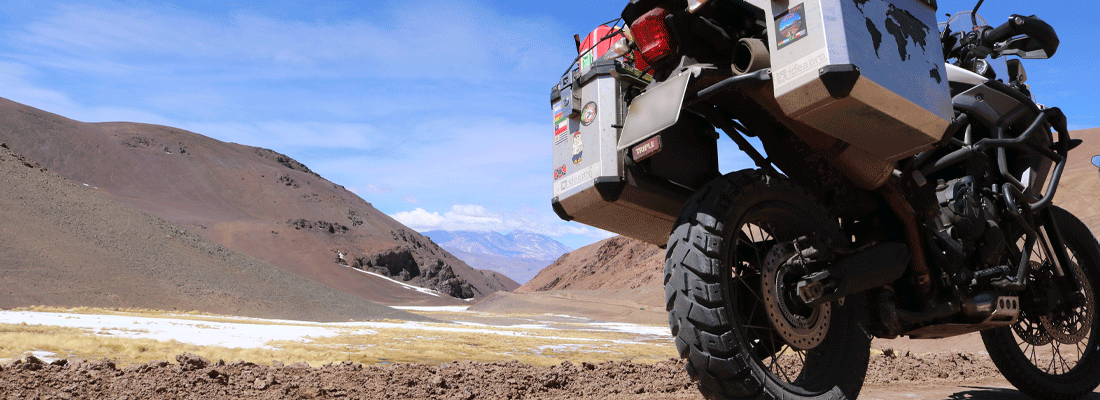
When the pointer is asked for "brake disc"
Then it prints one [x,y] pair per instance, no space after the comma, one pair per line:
[1031,331]
[1072,326]
[801,326]
[1027,327]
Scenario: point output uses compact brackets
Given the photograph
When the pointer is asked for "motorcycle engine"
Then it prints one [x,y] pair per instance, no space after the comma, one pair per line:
[968,216]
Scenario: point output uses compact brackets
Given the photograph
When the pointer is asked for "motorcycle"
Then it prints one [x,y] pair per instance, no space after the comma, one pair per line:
[902,190]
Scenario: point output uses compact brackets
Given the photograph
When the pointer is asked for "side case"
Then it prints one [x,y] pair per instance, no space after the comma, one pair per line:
[597,184]
[868,72]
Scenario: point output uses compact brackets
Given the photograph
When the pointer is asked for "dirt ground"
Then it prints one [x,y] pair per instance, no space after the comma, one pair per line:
[952,376]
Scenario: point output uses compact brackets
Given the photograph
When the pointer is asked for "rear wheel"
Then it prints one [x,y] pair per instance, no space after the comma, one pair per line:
[1051,352]
[730,267]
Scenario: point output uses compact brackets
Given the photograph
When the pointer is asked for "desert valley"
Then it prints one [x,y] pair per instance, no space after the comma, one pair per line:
[192,267]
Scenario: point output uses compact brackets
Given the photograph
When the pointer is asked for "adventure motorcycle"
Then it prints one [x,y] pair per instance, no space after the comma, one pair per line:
[906,188]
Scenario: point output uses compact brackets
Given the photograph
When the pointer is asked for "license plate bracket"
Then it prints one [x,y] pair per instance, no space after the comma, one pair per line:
[655,110]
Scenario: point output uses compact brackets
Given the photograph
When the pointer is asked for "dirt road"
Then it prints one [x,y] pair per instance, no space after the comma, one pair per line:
[943,376]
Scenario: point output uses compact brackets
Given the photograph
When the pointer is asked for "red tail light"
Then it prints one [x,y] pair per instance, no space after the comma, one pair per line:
[652,36]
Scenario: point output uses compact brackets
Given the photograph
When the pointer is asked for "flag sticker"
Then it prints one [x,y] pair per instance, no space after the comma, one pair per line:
[559,139]
[559,172]
[561,124]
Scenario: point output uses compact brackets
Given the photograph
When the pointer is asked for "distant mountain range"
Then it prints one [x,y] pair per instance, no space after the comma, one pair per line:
[519,254]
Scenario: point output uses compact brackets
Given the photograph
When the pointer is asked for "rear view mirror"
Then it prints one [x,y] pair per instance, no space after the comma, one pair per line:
[1016,73]
[1096,161]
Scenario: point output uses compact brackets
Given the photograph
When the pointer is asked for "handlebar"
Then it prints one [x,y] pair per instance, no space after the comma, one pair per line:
[1032,26]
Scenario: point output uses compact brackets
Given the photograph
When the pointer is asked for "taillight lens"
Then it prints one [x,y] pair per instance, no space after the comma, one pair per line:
[652,36]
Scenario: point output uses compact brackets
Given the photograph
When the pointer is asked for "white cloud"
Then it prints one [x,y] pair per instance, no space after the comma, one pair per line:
[472,217]
[420,220]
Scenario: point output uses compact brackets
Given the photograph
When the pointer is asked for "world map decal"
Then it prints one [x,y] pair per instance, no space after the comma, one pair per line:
[909,33]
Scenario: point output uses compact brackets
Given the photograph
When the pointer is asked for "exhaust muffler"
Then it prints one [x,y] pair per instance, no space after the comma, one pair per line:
[750,55]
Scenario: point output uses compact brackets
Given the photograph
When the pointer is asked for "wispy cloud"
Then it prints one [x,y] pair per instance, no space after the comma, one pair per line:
[297,134]
[442,40]
[437,161]
[17,83]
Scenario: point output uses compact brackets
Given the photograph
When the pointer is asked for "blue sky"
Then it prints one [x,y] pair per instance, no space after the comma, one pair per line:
[436,112]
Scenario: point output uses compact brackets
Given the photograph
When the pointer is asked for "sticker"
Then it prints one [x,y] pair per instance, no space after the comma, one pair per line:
[588,59]
[791,26]
[647,148]
[578,178]
[589,113]
[559,139]
[561,124]
[800,68]
[578,148]
[559,172]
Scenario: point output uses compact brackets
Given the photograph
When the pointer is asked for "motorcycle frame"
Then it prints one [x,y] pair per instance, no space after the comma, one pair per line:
[1028,212]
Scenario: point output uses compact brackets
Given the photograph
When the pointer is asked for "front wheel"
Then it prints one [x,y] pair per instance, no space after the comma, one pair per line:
[1051,352]
[729,279]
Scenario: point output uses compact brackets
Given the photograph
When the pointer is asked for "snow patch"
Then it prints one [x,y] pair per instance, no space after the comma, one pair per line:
[47,356]
[244,332]
[426,291]
[634,328]
[433,308]
[563,316]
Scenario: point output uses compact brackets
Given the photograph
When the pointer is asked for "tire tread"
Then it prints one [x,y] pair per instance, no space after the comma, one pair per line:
[704,336]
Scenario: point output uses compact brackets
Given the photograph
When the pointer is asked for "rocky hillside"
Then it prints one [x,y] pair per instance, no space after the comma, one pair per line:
[252,200]
[508,283]
[63,245]
[520,255]
[615,263]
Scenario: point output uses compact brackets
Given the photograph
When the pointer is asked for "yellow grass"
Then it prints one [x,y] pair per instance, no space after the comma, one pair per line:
[398,344]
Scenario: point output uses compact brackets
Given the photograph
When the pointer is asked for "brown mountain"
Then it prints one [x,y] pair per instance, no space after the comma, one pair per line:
[624,263]
[252,200]
[508,283]
[615,263]
[63,245]
[1079,190]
